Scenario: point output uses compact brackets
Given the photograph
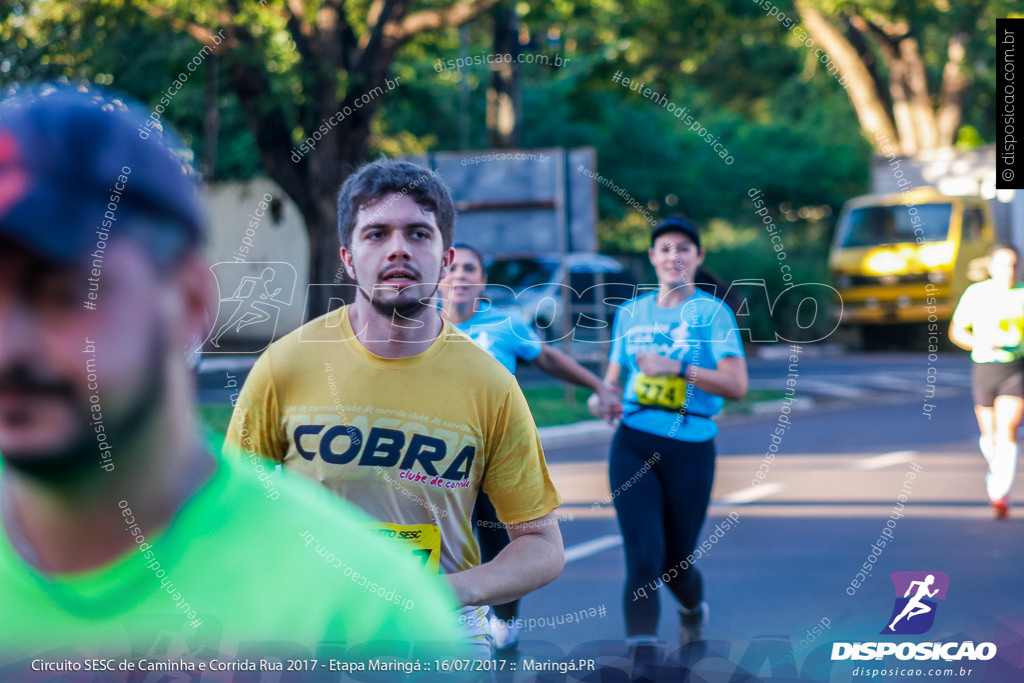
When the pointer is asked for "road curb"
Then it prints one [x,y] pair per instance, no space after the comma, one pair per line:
[575,434]
[761,408]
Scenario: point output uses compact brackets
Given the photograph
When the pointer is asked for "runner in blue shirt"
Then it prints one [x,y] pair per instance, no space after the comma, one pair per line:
[680,355]
[505,335]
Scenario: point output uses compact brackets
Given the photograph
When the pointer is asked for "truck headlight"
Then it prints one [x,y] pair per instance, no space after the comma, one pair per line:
[936,255]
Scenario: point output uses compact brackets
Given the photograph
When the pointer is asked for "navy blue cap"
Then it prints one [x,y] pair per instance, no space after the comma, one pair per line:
[677,224]
[74,163]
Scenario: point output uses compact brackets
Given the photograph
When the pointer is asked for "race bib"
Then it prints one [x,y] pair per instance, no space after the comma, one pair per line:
[663,391]
[1011,332]
[423,540]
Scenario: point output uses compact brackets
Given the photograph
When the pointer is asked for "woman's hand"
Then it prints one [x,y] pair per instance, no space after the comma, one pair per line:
[606,403]
[654,364]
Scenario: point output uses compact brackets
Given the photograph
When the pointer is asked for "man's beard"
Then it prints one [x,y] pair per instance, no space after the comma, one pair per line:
[402,310]
[82,453]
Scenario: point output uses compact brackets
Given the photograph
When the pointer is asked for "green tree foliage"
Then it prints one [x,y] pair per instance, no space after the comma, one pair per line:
[788,125]
[312,71]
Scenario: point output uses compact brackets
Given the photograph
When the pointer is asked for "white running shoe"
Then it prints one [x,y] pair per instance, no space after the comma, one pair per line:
[505,633]
[692,623]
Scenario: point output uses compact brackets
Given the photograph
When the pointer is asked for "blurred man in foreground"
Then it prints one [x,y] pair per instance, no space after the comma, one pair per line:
[121,533]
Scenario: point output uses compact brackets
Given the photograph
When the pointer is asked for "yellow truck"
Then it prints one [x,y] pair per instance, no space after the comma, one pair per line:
[893,255]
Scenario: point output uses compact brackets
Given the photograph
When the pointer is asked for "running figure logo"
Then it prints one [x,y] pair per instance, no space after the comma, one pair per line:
[914,613]
[251,313]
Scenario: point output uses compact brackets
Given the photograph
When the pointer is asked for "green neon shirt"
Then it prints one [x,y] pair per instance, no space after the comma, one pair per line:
[242,568]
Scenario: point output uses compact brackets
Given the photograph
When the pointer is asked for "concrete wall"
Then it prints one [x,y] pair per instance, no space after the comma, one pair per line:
[240,240]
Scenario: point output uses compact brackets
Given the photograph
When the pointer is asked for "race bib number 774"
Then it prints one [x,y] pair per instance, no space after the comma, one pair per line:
[663,391]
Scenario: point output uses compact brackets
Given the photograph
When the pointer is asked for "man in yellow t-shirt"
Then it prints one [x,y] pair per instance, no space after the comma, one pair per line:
[395,410]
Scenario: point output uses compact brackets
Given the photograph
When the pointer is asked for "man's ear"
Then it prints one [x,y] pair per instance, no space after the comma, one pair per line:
[192,284]
[447,259]
[346,260]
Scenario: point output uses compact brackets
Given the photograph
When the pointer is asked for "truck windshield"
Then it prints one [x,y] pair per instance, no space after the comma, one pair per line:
[870,226]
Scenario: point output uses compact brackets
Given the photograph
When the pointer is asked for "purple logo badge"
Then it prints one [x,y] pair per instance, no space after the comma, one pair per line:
[916,592]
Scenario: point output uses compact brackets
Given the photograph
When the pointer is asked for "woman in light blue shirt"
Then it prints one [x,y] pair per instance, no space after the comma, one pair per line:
[680,355]
[505,335]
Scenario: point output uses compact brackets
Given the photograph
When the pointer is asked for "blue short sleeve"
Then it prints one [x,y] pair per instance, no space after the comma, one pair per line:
[619,328]
[725,337]
[504,334]
[527,344]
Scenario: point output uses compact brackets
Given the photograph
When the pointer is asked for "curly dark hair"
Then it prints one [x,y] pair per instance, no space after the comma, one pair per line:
[380,178]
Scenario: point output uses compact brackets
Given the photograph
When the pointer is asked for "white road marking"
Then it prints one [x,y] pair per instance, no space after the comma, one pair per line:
[592,547]
[878,462]
[885,382]
[817,387]
[750,494]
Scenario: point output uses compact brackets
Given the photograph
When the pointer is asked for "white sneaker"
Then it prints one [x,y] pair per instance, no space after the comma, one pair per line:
[644,652]
[505,633]
[692,623]
[634,642]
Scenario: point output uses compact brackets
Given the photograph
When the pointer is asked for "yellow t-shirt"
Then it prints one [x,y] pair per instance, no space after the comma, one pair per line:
[996,318]
[408,440]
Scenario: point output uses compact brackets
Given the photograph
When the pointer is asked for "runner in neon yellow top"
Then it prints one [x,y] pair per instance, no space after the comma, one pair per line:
[234,566]
[994,316]
[392,408]
[989,322]
[119,533]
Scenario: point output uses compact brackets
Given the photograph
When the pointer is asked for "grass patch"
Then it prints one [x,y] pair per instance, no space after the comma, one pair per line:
[547,403]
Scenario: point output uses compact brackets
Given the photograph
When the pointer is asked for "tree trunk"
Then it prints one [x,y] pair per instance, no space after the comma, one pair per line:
[920,103]
[327,46]
[324,258]
[327,168]
[503,96]
[954,84]
[910,120]
[901,109]
[871,110]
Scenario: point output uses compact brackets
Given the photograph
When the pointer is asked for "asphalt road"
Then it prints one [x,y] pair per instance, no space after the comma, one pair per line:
[806,529]
[778,582]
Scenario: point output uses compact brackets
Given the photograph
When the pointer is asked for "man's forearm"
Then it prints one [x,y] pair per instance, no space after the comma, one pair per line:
[564,367]
[527,563]
[962,338]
